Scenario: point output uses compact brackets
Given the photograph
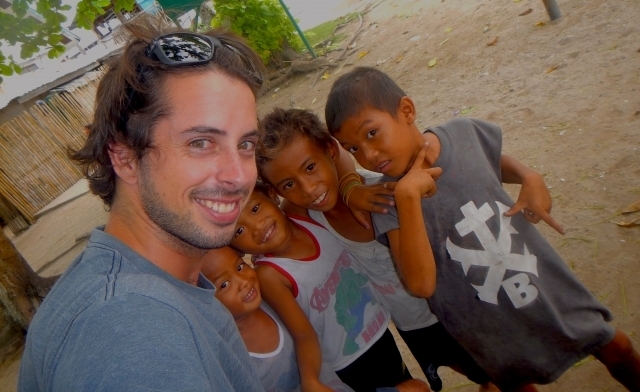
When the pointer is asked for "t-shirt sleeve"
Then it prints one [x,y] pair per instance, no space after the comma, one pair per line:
[384,223]
[150,347]
[490,139]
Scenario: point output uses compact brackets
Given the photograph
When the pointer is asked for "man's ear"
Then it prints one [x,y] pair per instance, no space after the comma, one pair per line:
[407,110]
[124,162]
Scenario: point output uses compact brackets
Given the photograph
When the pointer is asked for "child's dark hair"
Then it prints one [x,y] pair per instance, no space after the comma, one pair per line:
[361,88]
[280,127]
[262,188]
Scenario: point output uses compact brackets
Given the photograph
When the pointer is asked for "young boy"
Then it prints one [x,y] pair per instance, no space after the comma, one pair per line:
[502,291]
[269,344]
[315,287]
[298,157]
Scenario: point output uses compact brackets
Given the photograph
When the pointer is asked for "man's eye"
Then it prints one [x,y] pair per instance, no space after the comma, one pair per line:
[247,145]
[255,208]
[224,284]
[287,186]
[200,143]
[353,150]
[239,231]
[371,133]
[241,266]
[310,167]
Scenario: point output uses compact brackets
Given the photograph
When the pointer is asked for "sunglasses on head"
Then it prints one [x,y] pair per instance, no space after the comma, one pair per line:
[177,49]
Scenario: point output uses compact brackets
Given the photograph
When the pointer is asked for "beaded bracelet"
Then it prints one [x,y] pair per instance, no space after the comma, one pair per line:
[351,176]
[347,184]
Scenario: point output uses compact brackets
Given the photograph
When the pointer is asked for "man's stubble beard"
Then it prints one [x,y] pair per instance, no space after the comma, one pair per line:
[182,227]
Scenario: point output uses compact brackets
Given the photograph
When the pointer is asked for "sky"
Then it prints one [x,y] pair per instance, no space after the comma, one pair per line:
[308,13]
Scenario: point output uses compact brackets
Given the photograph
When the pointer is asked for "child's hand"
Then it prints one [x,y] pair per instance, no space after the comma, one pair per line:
[413,385]
[535,200]
[418,181]
[370,198]
[314,386]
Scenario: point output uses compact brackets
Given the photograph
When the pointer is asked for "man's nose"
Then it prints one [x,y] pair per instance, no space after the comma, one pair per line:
[236,170]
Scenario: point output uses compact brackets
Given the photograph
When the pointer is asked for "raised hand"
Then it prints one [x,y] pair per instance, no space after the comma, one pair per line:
[419,180]
[370,198]
[534,201]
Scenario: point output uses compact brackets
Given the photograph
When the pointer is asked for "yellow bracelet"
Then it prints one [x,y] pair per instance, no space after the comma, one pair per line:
[346,190]
[347,178]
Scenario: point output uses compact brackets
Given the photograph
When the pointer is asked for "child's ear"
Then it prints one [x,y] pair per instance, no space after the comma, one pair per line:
[333,148]
[407,110]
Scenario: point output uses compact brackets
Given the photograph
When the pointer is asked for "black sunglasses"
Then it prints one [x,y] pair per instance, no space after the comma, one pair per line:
[178,49]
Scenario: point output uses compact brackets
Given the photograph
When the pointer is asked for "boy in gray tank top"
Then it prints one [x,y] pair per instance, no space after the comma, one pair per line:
[501,290]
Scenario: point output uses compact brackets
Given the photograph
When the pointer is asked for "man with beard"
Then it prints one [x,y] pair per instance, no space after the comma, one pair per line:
[171,153]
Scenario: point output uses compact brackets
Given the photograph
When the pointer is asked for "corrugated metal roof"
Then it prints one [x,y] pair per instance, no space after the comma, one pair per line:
[30,84]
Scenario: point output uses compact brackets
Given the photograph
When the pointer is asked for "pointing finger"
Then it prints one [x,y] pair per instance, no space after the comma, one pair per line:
[417,163]
[552,222]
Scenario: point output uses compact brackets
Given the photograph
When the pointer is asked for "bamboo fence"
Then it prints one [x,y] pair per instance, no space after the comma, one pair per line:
[34,167]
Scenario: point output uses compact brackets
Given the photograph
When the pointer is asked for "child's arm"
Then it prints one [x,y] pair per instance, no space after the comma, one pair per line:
[409,243]
[363,198]
[276,290]
[534,196]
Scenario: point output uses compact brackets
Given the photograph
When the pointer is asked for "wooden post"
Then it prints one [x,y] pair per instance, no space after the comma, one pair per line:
[552,9]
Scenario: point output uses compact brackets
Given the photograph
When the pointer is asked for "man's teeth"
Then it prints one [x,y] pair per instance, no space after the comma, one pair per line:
[216,206]
[320,198]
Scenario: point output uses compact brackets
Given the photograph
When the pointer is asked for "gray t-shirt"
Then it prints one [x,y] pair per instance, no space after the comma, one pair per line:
[116,322]
[501,290]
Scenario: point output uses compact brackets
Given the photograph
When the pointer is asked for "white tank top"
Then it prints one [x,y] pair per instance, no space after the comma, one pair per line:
[336,296]
[278,370]
[407,312]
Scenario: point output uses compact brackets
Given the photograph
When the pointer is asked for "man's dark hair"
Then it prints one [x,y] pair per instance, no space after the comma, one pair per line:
[129,99]
[364,87]
[280,127]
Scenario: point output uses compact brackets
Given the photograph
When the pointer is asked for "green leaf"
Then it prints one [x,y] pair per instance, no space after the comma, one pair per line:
[52,53]
[65,7]
[54,39]
[6,70]
[17,68]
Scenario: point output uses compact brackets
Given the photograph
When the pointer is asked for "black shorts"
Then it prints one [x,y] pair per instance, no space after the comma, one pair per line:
[380,366]
[433,346]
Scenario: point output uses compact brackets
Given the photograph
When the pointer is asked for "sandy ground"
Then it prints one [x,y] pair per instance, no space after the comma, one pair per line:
[567,95]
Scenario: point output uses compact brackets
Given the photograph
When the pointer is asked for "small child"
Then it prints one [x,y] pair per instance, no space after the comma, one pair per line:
[315,286]
[298,158]
[502,291]
[270,345]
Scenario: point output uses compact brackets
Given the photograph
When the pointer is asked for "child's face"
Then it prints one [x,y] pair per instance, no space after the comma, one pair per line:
[262,227]
[305,174]
[236,282]
[379,142]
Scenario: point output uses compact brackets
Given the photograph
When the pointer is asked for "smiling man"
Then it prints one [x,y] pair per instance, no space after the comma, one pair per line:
[171,153]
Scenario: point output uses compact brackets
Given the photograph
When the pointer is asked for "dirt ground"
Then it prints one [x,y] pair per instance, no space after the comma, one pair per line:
[566,94]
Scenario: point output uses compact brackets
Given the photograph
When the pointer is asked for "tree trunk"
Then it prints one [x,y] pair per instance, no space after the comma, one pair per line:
[21,289]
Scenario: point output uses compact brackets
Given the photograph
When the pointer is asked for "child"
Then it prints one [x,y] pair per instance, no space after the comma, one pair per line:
[298,157]
[313,284]
[270,345]
[502,291]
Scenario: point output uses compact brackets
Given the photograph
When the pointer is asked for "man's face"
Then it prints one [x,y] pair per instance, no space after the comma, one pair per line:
[200,171]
